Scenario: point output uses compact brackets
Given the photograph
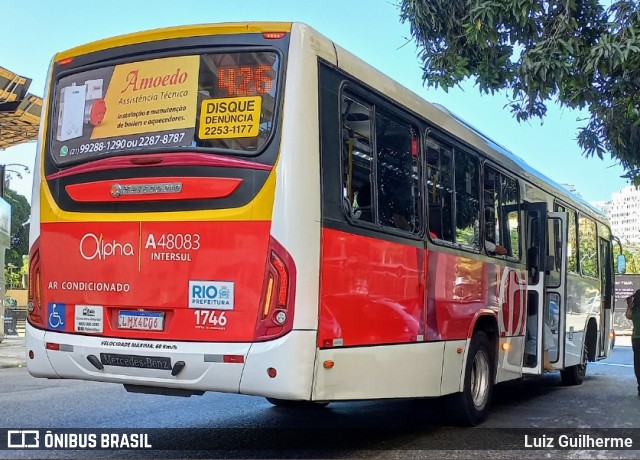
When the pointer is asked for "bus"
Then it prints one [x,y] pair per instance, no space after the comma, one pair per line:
[249,208]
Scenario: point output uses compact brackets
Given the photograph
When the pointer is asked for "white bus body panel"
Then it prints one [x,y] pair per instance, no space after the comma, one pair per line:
[296,209]
[453,366]
[34,219]
[391,371]
[510,360]
[39,365]
[196,375]
[413,370]
[292,356]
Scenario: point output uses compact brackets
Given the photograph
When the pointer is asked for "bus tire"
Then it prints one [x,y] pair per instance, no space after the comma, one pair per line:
[297,404]
[471,406]
[574,375]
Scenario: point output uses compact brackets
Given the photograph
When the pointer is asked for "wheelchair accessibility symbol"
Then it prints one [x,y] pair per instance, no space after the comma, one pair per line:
[57,313]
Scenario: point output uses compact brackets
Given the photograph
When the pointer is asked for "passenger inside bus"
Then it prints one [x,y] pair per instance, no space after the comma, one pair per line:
[396,209]
[362,203]
[494,248]
[435,221]
[490,244]
[531,345]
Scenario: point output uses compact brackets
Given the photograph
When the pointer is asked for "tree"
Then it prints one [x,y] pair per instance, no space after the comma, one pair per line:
[20,212]
[633,260]
[574,52]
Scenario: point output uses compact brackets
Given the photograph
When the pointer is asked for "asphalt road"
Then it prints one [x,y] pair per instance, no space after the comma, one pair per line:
[242,426]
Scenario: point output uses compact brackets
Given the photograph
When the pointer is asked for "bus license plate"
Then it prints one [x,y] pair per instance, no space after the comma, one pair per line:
[141,320]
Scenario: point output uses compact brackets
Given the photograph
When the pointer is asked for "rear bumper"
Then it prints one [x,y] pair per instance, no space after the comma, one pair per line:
[204,367]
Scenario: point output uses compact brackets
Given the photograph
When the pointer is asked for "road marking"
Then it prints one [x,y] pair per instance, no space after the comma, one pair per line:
[613,364]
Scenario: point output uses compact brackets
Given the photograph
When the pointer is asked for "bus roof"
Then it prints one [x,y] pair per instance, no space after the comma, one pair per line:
[226,28]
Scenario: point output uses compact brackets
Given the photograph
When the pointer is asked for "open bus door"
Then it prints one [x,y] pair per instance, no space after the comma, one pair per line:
[546,292]
[607,301]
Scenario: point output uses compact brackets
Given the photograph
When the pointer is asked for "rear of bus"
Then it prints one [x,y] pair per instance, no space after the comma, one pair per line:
[161,255]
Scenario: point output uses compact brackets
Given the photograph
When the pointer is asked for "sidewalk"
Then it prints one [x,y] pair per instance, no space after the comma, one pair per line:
[12,352]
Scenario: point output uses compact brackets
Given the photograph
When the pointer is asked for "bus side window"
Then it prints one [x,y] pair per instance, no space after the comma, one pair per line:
[357,159]
[491,203]
[510,216]
[440,189]
[397,162]
[467,196]
[588,249]
[502,211]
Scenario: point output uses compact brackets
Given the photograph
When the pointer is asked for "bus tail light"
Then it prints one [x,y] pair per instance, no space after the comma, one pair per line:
[35,311]
[275,316]
[65,61]
[273,35]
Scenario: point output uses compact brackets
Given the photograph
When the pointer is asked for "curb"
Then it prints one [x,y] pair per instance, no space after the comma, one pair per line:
[13,365]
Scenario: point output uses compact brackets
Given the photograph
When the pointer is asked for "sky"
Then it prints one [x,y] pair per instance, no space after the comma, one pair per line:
[370,29]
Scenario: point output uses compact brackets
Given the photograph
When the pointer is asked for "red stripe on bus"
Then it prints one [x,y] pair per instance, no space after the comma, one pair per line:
[162,159]
[374,292]
[371,291]
[192,188]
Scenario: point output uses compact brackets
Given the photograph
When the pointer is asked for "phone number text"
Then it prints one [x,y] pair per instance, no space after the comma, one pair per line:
[122,144]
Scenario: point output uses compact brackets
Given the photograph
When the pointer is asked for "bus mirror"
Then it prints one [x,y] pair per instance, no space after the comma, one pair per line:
[621,264]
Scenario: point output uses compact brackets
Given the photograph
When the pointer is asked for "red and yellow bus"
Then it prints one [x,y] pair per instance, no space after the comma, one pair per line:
[249,208]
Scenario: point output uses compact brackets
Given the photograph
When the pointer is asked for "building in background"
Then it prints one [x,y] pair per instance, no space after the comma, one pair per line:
[623,211]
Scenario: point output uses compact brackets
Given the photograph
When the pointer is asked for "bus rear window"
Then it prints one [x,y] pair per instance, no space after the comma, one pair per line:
[217,101]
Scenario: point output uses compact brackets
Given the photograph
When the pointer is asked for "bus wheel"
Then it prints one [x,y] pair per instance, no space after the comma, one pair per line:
[574,375]
[471,406]
[297,404]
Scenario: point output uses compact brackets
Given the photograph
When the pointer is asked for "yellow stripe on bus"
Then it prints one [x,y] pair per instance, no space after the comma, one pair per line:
[259,209]
[175,32]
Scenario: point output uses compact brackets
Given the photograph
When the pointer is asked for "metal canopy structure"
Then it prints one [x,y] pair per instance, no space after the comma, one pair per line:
[19,110]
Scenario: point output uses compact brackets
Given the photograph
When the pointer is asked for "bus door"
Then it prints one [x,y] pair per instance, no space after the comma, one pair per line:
[546,242]
[554,318]
[606,318]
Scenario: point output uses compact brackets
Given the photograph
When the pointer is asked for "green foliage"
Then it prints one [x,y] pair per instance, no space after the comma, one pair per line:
[514,236]
[12,277]
[20,212]
[588,249]
[466,236]
[576,52]
[633,261]
[25,265]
